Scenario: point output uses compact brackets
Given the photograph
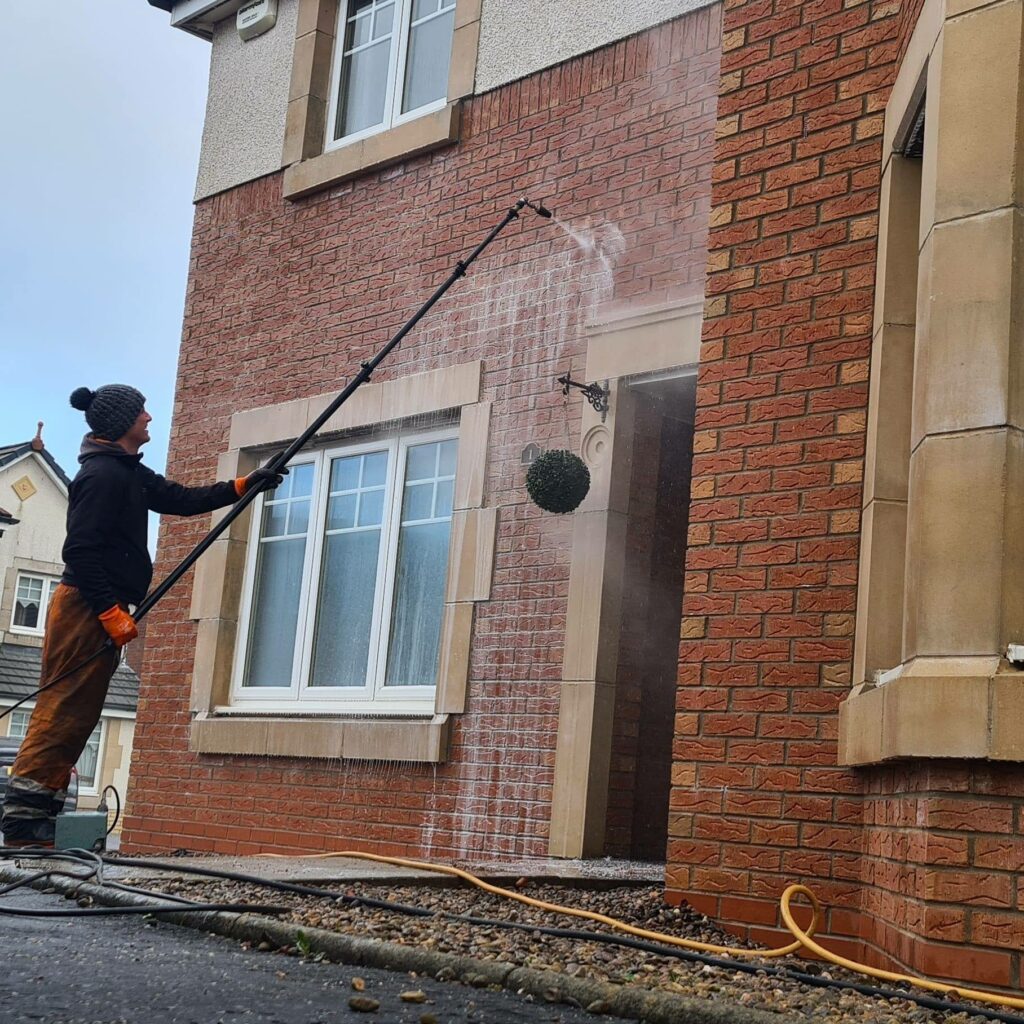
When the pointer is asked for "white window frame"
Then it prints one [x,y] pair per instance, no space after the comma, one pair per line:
[83,790]
[49,585]
[298,696]
[393,115]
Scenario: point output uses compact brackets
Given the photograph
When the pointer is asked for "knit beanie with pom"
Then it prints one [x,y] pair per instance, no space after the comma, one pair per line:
[110,410]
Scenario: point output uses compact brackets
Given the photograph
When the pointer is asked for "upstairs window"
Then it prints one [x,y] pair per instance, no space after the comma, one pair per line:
[391,64]
[345,585]
[31,600]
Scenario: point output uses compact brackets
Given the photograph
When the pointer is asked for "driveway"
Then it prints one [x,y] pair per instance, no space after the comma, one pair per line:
[132,971]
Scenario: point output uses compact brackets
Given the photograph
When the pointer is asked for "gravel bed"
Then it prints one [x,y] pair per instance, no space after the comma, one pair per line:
[640,906]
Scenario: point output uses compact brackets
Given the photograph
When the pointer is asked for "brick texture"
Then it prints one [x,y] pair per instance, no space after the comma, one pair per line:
[918,864]
[283,302]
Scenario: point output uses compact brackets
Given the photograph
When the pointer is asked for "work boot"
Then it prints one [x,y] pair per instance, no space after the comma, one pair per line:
[30,813]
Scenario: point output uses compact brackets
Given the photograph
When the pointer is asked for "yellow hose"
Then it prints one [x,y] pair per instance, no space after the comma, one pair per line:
[803,938]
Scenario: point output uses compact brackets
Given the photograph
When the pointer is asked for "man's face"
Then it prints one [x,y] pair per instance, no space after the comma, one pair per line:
[138,434]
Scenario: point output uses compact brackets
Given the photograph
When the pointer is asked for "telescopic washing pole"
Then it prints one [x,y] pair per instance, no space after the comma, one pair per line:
[281,460]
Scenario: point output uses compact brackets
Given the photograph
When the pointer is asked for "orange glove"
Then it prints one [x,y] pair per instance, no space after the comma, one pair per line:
[120,626]
[263,476]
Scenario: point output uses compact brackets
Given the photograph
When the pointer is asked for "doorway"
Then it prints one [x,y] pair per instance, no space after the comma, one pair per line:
[660,466]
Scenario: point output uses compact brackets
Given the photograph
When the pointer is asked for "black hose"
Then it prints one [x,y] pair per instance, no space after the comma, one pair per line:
[692,956]
[301,890]
[117,812]
[172,908]
[95,865]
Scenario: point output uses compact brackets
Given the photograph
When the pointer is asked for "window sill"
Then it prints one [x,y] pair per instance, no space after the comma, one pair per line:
[421,740]
[937,708]
[432,131]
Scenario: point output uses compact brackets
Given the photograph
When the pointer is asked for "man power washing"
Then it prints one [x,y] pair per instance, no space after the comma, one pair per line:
[107,568]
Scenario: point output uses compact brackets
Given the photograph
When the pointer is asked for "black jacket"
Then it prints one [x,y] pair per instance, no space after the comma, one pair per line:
[106,553]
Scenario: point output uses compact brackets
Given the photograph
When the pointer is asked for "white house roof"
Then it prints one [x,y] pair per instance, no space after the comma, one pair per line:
[10,453]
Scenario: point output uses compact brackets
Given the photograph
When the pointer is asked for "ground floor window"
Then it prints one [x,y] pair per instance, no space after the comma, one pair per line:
[345,580]
[88,766]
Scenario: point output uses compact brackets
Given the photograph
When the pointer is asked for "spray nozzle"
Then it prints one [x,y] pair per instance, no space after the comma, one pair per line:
[539,208]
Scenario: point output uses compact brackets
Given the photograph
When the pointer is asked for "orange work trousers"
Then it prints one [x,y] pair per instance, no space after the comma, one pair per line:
[66,714]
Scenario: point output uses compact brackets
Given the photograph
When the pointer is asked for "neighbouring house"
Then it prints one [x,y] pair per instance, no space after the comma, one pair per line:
[35,488]
[771,644]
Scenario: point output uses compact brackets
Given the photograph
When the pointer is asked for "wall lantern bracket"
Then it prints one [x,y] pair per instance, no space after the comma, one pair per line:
[596,394]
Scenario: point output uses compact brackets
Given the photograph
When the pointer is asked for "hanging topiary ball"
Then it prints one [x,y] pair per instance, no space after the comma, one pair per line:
[558,481]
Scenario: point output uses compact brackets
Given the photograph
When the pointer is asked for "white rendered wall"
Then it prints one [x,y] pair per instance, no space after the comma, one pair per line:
[40,534]
[248,98]
[519,37]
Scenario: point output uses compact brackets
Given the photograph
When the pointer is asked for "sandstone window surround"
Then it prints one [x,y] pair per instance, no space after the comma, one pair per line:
[312,160]
[941,592]
[220,727]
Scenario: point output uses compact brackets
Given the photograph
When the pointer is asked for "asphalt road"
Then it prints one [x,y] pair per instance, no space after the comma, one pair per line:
[132,971]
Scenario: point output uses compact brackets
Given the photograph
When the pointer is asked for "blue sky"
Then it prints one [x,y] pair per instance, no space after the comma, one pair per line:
[102,106]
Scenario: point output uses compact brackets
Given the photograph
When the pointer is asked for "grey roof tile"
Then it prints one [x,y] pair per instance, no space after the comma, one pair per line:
[19,676]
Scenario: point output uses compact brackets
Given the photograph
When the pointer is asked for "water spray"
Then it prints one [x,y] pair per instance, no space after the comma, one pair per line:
[281,460]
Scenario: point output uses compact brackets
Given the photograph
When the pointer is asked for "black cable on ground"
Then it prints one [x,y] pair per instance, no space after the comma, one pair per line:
[816,981]
[301,890]
[95,874]
[173,908]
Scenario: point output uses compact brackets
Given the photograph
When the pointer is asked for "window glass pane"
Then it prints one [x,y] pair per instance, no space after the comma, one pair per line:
[359,30]
[420,573]
[275,519]
[446,464]
[347,586]
[443,499]
[419,602]
[419,502]
[278,588]
[341,512]
[364,86]
[28,602]
[301,478]
[421,462]
[426,69]
[348,573]
[275,613]
[371,507]
[345,473]
[383,20]
[374,468]
[26,614]
[298,517]
[88,762]
[30,588]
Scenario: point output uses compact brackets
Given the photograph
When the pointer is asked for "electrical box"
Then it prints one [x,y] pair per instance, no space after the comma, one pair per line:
[81,830]
[253,19]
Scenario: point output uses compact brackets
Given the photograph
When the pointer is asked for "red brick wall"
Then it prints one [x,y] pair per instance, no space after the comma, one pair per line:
[909,858]
[283,302]
[944,853]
